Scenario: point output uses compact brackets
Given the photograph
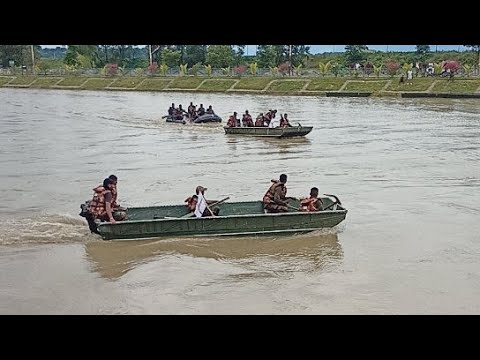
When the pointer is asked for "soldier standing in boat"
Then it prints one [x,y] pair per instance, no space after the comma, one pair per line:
[274,200]
[247,119]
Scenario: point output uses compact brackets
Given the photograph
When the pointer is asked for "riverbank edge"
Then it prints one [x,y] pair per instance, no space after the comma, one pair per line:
[364,87]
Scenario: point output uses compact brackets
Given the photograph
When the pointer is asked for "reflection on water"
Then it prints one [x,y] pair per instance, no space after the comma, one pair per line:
[263,255]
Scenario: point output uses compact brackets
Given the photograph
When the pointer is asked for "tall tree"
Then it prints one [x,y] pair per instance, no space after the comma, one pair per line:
[422,49]
[267,56]
[170,57]
[355,53]
[194,54]
[20,54]
[475,48]
[220,56]
[82,55]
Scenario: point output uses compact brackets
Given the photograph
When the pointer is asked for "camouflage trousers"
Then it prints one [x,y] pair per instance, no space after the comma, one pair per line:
[275,208]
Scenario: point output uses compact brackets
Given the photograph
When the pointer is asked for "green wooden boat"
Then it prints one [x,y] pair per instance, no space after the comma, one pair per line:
[269,132]
[235,219]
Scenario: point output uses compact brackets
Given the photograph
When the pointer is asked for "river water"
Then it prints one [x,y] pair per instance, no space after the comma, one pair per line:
[406,169]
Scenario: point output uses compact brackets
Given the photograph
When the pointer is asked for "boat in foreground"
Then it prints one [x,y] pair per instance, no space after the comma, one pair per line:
[234,219]
[269,132]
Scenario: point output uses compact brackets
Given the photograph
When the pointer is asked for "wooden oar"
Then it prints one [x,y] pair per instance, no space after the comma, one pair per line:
[215,203]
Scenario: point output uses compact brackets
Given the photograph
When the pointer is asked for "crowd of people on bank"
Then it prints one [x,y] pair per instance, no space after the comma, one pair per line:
[103,207]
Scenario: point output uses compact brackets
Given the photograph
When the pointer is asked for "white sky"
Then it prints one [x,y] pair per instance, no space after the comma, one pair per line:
[316,49]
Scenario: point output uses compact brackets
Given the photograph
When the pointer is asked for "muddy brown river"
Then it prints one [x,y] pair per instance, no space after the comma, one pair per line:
[406,169]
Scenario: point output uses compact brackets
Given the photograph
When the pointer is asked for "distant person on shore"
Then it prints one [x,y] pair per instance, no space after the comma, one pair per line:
[312,203]
[274,200]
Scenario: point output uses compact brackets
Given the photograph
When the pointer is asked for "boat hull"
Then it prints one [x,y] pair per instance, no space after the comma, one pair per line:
[166,222]
[207,118]
[269,132]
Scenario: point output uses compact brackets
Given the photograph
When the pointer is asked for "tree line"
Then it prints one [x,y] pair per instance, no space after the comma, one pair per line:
[220,56]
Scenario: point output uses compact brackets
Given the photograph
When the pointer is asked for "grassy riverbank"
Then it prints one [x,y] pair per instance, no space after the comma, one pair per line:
[319,86]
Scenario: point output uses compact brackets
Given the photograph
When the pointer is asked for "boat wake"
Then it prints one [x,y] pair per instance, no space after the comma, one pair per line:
[44,229]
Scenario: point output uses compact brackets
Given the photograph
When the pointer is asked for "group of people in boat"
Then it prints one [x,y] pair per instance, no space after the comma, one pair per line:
[267,120]
[103,207]
[192,112]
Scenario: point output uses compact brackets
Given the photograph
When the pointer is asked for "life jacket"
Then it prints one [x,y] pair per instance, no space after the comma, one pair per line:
[97,205]
[232,122]
[309,204]
[191,203]
[114,194]
[270,194]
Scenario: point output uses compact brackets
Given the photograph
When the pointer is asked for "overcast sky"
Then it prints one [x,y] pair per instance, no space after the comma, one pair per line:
[316,49]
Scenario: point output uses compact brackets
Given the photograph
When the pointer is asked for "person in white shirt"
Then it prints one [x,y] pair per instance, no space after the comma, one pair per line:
[202,209]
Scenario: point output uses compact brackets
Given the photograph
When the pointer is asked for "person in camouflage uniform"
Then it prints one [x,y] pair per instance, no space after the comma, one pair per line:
[275,200]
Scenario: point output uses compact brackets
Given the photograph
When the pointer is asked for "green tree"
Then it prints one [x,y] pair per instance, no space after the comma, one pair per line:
[82,56]
[170,57]
[194,54]
[220,56]
[20,54]
[267,56]
[239,51]
[422,49]
[355,53]
[475,48]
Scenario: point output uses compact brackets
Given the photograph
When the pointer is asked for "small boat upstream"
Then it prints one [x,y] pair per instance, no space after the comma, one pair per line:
[277,132]
[204,119]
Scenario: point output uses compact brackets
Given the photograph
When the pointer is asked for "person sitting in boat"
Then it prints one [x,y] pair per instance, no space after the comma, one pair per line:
[100,207]
[192,203]
[274,200]
[247,119]
[274,122]
[210,110]
[284,121]
[179,113]
[232,120]
[172,110]
[202,209]
[313,203]
[259,121]
[201,110]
